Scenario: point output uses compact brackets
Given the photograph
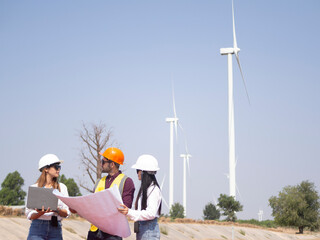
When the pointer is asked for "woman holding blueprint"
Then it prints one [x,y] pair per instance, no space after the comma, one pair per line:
[46,224]
[148,202]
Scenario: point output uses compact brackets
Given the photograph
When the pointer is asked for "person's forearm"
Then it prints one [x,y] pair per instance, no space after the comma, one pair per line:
[36,215]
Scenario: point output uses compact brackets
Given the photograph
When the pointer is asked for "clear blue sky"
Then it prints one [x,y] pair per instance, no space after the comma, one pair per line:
[67,62]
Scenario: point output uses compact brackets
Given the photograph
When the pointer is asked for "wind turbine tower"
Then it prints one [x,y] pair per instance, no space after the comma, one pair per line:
[232,160]
[172,121]
[185,162]
[260,215]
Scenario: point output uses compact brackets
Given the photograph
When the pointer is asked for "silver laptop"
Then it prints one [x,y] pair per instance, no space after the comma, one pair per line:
[38,197]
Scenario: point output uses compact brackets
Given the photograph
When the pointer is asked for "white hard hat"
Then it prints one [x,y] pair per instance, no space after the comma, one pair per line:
[146,163]
[47,160]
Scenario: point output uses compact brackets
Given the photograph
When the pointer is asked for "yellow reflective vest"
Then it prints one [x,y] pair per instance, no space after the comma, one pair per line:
[119,180]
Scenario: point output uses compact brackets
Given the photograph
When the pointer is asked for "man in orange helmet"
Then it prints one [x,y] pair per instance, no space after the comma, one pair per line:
[110,163]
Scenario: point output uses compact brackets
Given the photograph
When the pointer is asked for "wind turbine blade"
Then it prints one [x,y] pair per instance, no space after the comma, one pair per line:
[176,129]
[239,192]
[180,126]
[185,138]
[175,113]
[174,103]
[236,51]
[162,182]
[165,202]
[244,82]
[188,163]
[235,46]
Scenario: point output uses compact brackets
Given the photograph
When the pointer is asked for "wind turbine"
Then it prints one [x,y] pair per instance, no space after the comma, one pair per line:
[161,186]
[185,162]
[185,157]
[260,215]
[172,121]
[229,51]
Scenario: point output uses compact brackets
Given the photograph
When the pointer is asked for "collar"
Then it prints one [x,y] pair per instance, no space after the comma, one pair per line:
[109,177]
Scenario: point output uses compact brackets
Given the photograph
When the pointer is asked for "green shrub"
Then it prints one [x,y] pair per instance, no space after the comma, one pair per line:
[265,223]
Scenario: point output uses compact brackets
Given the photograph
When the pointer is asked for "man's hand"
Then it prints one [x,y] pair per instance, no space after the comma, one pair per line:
[72,210]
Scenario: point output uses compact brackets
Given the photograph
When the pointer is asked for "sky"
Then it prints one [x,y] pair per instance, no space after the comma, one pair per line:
[65,63]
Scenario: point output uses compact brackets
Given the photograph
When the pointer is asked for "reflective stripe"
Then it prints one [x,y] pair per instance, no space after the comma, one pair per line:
[121,185]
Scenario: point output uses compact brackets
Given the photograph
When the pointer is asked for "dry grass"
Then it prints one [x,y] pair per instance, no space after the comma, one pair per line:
[9,211]
[164,230]
[18,212]
[237,224]
[71,230]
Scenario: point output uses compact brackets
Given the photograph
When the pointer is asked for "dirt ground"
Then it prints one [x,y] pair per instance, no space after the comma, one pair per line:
[16,228]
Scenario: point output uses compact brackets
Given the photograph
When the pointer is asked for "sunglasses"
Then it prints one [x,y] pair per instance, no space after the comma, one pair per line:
[105,161]
[56,166]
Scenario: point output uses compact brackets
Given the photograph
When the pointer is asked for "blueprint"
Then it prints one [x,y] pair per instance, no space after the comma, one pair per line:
[100,209]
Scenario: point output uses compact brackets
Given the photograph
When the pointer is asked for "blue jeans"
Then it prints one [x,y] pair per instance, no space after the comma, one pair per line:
[42,230]
[148,230]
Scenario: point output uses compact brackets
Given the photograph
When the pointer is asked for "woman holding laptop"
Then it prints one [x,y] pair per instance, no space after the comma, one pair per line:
[46,224]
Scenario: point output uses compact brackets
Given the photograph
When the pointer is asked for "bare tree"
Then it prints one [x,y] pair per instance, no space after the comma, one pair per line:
[94,137]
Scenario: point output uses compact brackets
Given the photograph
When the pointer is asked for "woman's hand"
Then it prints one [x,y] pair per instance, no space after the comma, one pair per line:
[39,213]
[124,210]
[43,211]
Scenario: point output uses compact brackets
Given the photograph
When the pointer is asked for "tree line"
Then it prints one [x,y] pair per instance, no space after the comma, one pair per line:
[295,206]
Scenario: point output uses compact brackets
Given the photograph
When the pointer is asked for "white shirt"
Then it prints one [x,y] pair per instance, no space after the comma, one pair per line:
[153,203]
[61,205]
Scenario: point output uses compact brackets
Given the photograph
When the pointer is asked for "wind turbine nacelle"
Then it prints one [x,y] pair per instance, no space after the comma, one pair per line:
[226,51]
[171,119]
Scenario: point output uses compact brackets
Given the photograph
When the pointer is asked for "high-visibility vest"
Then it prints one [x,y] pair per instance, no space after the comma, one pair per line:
[119,180]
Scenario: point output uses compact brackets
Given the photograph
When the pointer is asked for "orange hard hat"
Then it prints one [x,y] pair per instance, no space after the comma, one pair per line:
[113,154]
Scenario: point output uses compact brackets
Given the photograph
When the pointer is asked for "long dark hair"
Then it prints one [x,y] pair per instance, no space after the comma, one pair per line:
[146,180]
